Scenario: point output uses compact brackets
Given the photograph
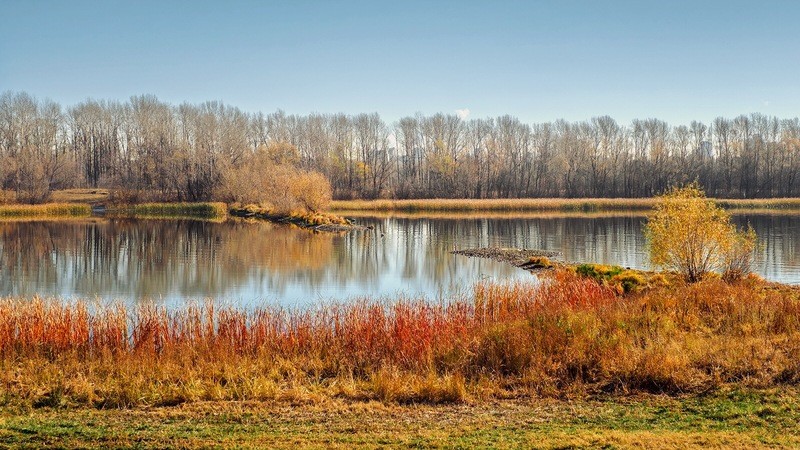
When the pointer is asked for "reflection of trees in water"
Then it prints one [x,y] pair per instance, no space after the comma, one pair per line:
[615,240]
[581,239]
[779,238]
[135,259]
[155,258]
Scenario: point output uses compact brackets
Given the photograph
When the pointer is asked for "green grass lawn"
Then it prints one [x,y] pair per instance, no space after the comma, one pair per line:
[729,419]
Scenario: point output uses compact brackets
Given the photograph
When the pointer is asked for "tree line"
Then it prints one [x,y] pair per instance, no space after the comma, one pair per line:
[151,149]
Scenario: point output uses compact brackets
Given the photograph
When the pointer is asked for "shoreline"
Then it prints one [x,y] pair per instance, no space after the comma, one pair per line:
[576,205]
[213,211]
[82,202]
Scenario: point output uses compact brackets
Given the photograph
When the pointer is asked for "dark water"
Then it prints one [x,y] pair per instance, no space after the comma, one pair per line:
[251,262]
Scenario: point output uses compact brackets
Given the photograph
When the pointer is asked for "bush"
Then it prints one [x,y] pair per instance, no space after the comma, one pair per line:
[268,178]
[690,234]
[625,281]
[598,272]
[628,281]
[739,258]
[312,190]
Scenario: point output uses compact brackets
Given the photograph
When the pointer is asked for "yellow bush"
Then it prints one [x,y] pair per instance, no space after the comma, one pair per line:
[629,281]
[689,233]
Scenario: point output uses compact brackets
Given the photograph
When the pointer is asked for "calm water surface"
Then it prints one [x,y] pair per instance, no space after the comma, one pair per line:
[171,260]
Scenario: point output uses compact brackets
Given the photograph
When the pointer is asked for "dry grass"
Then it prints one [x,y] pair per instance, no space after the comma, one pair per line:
[571,337]
[86,195]
[205,210]
[46,210]
[542,204]
[744,419]
[516,204]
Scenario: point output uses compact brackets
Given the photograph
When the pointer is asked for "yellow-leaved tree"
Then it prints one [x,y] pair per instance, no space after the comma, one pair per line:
[687,232]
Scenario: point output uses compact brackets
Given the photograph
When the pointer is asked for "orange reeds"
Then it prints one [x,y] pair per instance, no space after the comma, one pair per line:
[562,335]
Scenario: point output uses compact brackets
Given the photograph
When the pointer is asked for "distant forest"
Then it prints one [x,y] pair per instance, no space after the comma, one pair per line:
[154,150]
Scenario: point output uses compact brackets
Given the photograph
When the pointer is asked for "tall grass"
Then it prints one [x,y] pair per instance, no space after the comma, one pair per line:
[45,210]
[206,210]
[568,336]
[541,204]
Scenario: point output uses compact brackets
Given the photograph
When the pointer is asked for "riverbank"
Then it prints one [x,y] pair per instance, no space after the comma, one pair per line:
[587,205]
[747,418]
[177,210]
[79,202]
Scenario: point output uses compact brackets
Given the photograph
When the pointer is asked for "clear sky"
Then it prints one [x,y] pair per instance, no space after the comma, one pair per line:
[539,61]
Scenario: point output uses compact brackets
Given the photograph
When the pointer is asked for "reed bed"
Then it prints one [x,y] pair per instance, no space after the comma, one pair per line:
[569,336]
[767,203]
[44,210]
[514,204]
[542,204]
[205,210]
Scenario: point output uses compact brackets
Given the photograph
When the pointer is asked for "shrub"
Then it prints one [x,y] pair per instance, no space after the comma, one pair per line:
[628,281]
[312,190]
[598,272]
[689,233]
[658,280]
[268,178]
[623,281]
[739,258]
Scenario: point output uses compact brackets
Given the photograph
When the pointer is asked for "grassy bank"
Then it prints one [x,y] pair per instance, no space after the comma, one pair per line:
[543,205]
[315,220]
[46,210]
[204,210]
[731,419]
[570,338]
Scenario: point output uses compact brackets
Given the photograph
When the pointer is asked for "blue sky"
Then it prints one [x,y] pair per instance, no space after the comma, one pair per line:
[539,61]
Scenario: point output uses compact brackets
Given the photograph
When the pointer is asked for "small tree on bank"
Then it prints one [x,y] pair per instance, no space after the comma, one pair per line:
[689,233]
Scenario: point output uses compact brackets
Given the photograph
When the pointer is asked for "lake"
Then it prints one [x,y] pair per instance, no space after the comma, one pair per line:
[251,262]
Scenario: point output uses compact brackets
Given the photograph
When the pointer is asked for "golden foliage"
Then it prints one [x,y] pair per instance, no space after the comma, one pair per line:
[687,232]
[740,256]
[268,177]
[312,190]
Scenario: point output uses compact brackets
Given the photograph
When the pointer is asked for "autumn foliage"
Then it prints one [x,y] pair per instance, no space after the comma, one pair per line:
[270,178]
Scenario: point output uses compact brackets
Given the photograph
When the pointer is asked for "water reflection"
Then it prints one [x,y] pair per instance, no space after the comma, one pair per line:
[171,260]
